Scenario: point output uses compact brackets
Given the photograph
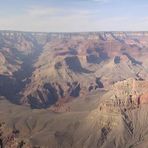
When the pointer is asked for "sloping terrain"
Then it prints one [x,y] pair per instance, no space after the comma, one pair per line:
[101,120]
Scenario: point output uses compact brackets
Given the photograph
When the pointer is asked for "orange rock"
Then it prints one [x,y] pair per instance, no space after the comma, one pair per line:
[124,58]
[144,98]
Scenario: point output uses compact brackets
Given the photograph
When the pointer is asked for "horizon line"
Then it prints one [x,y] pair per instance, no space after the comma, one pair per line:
[67,32]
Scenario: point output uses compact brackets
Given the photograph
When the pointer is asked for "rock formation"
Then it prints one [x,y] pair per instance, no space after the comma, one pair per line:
[74,89]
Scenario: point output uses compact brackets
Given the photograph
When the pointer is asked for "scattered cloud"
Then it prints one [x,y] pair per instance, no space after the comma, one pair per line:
[42,11]
[73,19]
[101,1]
[73,23]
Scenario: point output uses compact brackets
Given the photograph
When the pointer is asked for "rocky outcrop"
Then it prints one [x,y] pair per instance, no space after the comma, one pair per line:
[9,138]
[74,64]
[50,93]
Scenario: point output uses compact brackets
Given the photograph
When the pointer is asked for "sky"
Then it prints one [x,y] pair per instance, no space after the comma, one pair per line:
[74,15]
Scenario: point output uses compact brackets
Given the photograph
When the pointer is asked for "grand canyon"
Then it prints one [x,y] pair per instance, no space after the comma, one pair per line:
[73,90]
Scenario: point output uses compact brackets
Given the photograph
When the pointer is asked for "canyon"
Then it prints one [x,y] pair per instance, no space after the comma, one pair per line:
[70,90]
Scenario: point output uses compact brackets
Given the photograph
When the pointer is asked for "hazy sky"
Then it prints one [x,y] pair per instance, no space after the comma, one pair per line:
[74,15]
